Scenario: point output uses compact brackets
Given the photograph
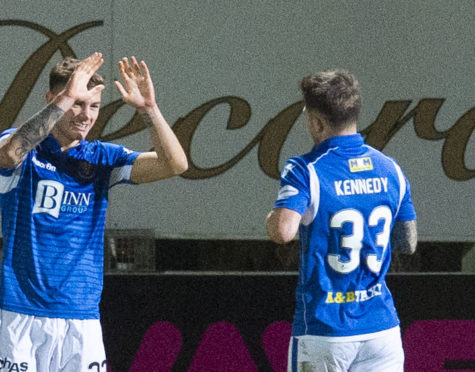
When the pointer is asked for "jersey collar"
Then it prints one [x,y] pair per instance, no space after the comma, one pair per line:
[51,144]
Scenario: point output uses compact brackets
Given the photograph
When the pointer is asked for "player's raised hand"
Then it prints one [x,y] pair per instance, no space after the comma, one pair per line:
[76,87]
[137,87]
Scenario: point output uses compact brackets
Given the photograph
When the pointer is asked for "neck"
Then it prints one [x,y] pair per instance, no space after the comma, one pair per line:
[329,132]
[64,142]
[69,145]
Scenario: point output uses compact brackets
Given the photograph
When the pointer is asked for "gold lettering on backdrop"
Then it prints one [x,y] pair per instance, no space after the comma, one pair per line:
[272,136]
[390,120]
[25,79]
[455,145]
[134,125]
[184,128]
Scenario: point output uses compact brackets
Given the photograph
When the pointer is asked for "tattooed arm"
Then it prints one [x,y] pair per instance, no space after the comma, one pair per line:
[30,134]
[168,158]
[404,237]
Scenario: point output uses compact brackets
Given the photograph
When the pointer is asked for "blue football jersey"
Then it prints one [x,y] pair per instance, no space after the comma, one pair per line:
[53,219]
[349,195]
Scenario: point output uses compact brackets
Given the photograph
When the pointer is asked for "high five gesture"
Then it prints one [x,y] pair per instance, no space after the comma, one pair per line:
[77,86]
[54,185]
[60,101]
[137,89]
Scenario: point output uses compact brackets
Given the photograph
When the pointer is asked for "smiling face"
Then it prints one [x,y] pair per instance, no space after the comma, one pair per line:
[77,121]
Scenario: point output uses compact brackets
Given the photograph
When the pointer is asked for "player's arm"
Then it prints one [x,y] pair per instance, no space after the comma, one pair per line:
[282,224]
[168,158]
[404,237]
[31,133]
[14,149]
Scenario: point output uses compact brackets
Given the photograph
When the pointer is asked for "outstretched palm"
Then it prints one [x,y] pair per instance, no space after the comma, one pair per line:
[77,84]
[137,88]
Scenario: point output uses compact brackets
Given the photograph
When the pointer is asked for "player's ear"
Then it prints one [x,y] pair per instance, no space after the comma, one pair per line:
[320,125]
[313,124]
[319,122]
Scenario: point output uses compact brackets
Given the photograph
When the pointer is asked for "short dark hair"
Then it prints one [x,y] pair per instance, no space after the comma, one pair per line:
[62,71]
[334,94]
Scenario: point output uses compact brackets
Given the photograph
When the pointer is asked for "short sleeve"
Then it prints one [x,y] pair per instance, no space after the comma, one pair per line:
[294,187]
[407,211]
[122,159]
[6,133]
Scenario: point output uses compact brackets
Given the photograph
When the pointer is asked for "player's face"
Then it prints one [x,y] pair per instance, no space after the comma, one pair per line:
[79,119]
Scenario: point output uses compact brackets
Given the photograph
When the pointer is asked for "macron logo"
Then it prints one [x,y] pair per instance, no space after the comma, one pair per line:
[42,165]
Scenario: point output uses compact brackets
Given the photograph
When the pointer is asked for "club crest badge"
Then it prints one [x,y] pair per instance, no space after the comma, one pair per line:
[86,170]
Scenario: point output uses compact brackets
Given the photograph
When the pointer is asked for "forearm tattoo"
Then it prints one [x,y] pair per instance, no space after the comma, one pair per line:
[36,129]
[404,237]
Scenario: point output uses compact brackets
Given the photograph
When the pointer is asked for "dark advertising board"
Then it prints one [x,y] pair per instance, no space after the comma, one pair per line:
[199,323]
